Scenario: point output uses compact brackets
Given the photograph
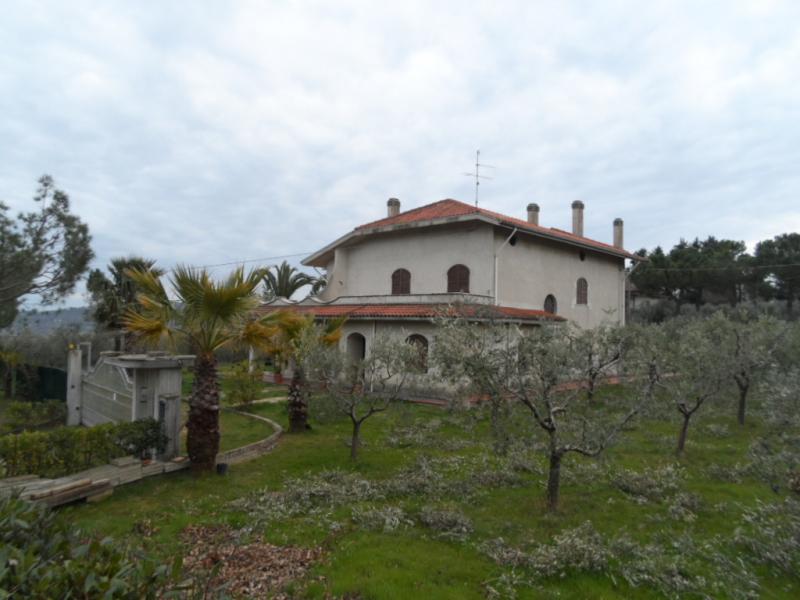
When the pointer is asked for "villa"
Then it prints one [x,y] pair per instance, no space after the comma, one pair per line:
[402,271]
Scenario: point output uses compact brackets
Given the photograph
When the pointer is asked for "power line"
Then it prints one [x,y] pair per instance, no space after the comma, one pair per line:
[742,267]
[250,260]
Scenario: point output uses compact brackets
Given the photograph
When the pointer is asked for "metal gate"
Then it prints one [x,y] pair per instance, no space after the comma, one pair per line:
[107,394]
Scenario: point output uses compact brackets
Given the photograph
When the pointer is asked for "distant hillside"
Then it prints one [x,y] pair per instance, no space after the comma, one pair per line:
[43,322]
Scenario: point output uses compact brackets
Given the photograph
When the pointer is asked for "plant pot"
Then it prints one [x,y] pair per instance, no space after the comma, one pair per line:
[278,377]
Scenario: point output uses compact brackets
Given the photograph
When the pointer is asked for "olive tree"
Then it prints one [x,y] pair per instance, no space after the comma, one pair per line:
[362,388]
[749,346]
[471,357]
[536,369]
[597,351]
[695,367]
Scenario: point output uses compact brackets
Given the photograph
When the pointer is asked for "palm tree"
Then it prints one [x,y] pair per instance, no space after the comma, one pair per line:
[209,316]
[282,281]
[113,296]
[294,336]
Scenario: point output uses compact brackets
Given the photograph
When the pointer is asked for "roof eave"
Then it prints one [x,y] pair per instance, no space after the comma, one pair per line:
[318,258]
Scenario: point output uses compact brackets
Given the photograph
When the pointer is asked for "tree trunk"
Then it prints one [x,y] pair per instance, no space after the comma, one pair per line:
[743,389]
[553,480]
[684,431]
[355,440]
[298,410]
[590,388]
[202,438]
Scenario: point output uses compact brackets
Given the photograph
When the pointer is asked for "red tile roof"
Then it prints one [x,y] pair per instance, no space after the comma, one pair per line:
[454,208]
[413,311]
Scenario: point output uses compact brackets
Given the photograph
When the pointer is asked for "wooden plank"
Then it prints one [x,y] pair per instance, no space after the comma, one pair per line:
[58,489]
[78,493]
[18,479]
[125,461]
[100,496]
[154,468]
[175,466]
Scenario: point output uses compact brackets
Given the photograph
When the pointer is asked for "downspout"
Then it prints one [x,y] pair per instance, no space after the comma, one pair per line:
[496,279]
[624,292]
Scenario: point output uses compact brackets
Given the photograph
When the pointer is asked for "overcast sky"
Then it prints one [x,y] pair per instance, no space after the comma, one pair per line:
[210,132]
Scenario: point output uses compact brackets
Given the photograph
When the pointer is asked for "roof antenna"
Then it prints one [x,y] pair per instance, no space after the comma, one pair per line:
[477,174]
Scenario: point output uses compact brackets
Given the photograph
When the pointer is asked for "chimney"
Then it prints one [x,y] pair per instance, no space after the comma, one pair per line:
[394,207]
[533,213]
[618,233]
[577,218]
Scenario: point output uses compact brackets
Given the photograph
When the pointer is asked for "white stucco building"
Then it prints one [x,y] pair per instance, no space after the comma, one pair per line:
[400,272]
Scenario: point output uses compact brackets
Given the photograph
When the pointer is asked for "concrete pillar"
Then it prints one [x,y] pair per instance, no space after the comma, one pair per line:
[393,206]
[618,239]
[74,385]
[577,218]
[533,213]
[169,413]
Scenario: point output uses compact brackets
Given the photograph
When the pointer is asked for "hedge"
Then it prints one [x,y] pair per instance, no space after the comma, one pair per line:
[67,450]
[21,416]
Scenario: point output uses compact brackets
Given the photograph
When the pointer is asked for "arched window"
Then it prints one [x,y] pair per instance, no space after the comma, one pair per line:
[401,282]
[582,292]
[356,346]
[550,304]
[421,345]
[458,279]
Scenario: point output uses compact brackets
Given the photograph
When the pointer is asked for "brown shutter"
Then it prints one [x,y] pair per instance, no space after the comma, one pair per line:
[458,279]
[401,282]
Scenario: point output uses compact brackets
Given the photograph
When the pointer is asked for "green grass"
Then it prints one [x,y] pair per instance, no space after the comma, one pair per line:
[410,562]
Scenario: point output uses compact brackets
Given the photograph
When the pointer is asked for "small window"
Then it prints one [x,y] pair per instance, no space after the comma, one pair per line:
[582,255]
[582,295]
[421,345]
[550,304]
[401,282]
[458,279]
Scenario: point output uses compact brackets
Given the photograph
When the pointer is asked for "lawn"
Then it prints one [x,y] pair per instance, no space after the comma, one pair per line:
[410,559]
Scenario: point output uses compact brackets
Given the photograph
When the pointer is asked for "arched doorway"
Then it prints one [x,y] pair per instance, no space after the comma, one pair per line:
[420,343]
[356,346]
[550,304]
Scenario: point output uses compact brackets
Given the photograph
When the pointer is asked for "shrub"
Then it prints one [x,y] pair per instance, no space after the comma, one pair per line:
[771,535]
[139,438]
[387,518]
[70,449]
[21,416]
[684,506]
[448,524]
[581,549]
[651,484]
[42,557]
[245,385]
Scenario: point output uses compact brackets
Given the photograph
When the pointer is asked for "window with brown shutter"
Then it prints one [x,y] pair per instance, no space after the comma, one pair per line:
[582,296]
[458,279]
[550,304]
[401,282]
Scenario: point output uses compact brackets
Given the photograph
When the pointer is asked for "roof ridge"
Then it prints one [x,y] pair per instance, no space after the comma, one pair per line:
[416,209]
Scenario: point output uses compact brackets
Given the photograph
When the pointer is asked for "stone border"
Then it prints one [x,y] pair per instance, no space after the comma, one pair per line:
[255,449]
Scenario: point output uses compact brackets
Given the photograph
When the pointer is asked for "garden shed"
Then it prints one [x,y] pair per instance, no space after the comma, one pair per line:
[128,387]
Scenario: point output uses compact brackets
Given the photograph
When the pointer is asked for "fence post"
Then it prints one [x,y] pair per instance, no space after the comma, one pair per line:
[74,385]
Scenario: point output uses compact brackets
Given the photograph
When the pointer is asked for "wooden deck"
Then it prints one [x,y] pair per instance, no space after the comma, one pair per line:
[91,485]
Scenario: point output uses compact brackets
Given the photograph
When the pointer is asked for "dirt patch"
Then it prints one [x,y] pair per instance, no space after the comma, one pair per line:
[244,570]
